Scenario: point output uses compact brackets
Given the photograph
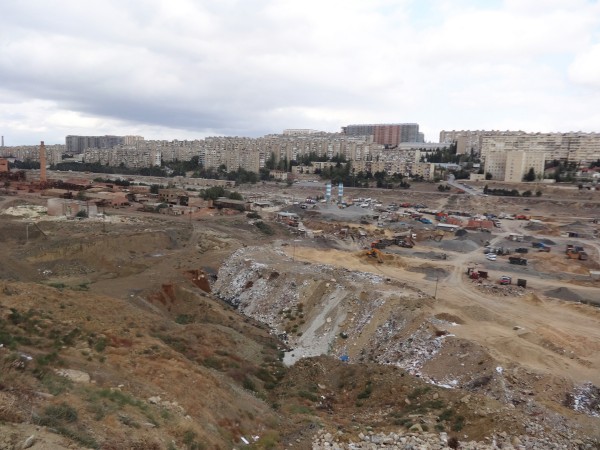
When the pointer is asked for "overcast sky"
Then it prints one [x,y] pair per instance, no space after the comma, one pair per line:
[185,69]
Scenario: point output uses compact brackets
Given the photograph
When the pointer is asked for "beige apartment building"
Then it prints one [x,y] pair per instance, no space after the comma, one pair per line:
[582,148]
[32,153]
[512,166]
[466,140]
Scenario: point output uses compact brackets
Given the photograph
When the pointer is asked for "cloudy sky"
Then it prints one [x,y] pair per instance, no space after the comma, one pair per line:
[184,69]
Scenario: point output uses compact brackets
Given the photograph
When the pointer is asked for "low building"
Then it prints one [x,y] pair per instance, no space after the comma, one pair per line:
[71,208]
[173,196]
[224,202]
[279,175]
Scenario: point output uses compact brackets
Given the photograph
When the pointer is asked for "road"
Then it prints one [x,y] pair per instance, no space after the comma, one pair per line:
[468,189]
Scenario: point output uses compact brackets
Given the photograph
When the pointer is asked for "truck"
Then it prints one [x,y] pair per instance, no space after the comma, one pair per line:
[517,260]
[475,274]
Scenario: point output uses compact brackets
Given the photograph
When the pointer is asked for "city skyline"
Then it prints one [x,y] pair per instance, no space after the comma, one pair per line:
[187,70]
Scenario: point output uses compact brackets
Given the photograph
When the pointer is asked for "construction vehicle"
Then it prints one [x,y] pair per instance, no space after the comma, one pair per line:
[382,243]
[475,274]
[374,253]
[379,243]
[405,241]
[517,260]
[574,254]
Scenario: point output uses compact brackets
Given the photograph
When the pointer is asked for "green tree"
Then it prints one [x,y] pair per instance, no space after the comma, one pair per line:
[212,193]
[488,176]
[530,175]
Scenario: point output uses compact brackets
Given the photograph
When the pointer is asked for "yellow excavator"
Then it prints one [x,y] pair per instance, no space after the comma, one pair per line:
[374,253]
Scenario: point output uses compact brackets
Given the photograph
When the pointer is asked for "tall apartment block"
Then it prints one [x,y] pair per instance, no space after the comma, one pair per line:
[77,144]
[387,134]
[512,166]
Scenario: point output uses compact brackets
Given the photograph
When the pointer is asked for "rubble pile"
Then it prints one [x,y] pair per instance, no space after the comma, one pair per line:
[312,304]
[498,290]
[410,353]
[415,439]
[585,399]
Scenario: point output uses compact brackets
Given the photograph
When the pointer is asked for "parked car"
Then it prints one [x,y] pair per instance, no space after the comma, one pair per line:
[491,257]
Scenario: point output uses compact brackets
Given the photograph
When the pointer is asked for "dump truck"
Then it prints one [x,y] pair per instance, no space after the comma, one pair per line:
[475,274]
[379,243]
[517,260]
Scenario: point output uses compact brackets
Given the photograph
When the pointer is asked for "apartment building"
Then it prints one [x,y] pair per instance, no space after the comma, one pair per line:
[389,135]
[32,153]
[128,156]
[467,141]
[300,132]
[495,165]
[77,144]
[512,166]
[582,148]
[425,170]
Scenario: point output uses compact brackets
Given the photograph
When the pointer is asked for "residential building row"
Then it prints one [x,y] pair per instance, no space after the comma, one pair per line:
[252,154]
[32,153]
[578,146]
[509,155]
[581,148]
[77,144]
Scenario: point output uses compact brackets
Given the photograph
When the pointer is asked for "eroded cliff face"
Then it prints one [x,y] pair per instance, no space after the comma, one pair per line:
[321,309]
